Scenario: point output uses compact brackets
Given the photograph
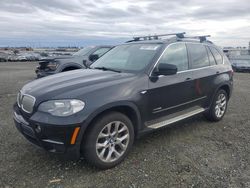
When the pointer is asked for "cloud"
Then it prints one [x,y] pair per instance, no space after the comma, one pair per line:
[55,20]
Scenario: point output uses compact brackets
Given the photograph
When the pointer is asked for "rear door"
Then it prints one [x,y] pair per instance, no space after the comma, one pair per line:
[203,68]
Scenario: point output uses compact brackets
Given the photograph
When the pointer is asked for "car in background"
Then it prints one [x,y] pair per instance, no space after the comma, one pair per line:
[3,57]
[79,60]
[241,65]
[21,57]
[31,56]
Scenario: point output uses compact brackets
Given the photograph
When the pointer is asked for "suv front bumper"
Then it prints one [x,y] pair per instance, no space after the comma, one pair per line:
[54,138]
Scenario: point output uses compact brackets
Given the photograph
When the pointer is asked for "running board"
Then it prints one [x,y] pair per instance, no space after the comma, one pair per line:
[176,119]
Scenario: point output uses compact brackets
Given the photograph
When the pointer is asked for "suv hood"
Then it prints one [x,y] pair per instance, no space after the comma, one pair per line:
[61,58]
[57,58]
[84,80]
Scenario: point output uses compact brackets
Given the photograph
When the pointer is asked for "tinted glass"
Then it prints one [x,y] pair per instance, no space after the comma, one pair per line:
[241,62]
[176,54]
[217,55]
[84,51]
[129,57]
[198,54]
[101,51]
[211,57]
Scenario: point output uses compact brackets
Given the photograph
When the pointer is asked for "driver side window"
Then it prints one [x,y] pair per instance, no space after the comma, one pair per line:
[101,51]
[176,54]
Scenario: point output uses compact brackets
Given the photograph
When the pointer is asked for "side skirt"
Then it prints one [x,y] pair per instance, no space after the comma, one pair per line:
[173,118]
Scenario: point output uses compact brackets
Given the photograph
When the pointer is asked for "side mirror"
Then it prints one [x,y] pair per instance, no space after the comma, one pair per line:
[93,57]
[165,69]
[85,63]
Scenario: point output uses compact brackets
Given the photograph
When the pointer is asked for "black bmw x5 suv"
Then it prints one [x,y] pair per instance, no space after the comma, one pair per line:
[140,86]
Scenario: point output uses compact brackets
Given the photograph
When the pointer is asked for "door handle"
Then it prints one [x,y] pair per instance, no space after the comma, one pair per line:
[188,79]
[218,72]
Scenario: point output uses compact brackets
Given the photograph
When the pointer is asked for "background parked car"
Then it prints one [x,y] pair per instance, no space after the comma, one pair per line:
[81,59]
[21,58]
[3,57]
[241,65]
[31,56]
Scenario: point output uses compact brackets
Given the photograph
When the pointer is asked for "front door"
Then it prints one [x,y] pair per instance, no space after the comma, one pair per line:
[172,93]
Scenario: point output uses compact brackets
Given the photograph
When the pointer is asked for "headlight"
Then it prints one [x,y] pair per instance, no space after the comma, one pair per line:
[65,107]
[52,65]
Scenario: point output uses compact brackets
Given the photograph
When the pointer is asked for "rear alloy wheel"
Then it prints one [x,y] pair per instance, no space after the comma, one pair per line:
[218,107]
[221,104]
[109,141]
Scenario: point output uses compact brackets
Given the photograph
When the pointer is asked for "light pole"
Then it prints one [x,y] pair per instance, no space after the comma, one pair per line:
[249,49]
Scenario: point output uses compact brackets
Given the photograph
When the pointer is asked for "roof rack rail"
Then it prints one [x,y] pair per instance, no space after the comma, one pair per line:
[156,37]
[202,38]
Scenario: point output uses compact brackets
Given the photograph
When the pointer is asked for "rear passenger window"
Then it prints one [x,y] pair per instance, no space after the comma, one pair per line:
[198,55]
[211,57]
[176,54]
[217,55]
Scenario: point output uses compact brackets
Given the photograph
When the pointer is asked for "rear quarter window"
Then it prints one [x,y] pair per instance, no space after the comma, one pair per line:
[211,57]
[218,57]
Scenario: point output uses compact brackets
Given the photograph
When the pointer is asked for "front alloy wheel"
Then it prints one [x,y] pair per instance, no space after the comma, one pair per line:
[109,140]
[112,141]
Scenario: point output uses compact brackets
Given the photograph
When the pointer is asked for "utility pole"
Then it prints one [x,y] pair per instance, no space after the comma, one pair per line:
[249,49]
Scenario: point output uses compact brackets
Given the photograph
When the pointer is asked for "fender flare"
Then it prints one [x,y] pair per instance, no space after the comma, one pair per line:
[217,89]
[67,65]
[106,107]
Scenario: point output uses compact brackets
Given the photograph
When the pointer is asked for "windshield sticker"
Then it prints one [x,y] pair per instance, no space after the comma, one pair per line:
[149,47]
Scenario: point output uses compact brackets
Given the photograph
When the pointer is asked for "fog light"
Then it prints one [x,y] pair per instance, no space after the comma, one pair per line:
[38,129]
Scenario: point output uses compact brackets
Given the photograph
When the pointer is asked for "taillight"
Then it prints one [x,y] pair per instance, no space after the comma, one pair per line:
[231,73]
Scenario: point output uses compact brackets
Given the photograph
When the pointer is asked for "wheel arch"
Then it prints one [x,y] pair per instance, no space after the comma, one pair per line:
[127,108]
[70,66]
[226,87]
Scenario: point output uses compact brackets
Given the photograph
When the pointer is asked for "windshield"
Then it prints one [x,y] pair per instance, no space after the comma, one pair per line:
[83,51]
[129,57]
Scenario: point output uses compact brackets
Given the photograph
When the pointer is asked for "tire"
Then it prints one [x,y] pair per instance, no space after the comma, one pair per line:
[103,147]
[218,107]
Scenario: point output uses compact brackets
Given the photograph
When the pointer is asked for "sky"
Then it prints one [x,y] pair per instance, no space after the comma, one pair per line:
[39,23]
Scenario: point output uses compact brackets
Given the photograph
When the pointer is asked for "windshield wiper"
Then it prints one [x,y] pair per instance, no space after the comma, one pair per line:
[107,69]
